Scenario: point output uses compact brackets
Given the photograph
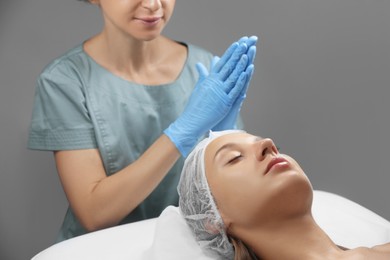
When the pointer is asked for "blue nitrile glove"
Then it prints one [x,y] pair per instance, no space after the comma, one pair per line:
[249,41]
[230,121]
[211,100]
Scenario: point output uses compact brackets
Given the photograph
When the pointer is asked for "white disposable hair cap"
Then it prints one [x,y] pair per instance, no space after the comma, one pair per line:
[197,204]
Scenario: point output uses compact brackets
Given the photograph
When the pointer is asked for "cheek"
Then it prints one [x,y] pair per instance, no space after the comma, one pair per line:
[168,4]
[113,14]
[287,196]
[168,12]
[237,195]
[245,198]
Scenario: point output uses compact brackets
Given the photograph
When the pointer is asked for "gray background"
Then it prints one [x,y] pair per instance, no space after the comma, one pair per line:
[320,90]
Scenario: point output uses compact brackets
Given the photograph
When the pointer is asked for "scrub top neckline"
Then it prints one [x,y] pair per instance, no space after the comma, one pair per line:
[100,67]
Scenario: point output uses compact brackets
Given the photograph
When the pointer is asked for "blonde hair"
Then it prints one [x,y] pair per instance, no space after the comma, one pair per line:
[242,251]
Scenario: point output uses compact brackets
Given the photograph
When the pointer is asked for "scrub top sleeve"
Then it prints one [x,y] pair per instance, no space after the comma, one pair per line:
[60,119]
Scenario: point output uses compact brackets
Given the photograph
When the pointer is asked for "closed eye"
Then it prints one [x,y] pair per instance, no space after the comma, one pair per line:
[235,159]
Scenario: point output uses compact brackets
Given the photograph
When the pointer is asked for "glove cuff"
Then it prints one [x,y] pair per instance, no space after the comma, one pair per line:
[183,142]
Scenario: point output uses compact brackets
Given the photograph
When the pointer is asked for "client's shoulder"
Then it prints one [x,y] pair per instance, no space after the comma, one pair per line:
[380,252]
[385,248]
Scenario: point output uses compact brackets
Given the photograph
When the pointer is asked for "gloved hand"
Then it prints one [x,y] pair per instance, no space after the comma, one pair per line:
[230,120]
[212,98]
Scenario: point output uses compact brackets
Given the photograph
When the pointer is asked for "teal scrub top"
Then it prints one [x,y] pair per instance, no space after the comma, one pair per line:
[81,105]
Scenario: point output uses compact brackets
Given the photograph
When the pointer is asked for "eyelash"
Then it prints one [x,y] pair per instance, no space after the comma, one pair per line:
[234,159]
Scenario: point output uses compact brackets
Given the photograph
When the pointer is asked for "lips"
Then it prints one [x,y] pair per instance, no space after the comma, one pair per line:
[275,161]
[150,20]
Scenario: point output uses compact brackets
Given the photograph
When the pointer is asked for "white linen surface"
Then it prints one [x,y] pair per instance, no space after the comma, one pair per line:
[128,241]
[347,223]
[168,237]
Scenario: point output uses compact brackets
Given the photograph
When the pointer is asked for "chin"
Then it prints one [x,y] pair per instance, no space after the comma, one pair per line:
[293,197]
[301,198]
[148,37]
[144,35]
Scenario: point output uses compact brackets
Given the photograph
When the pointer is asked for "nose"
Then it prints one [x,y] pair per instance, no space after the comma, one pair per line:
[264,148]
[152,5]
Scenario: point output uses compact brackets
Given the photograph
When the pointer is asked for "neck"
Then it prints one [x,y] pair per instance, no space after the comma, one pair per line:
[300,238]
[144,62]
[130,53]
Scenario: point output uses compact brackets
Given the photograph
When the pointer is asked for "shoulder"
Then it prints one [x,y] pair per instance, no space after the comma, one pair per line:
[68,73]
[378,252]
[385,248]
[70,65]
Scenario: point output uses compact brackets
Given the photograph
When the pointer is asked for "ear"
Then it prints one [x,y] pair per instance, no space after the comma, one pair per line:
[226,220]
[212,228]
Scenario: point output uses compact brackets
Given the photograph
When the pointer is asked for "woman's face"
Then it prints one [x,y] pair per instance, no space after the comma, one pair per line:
[252,183]
[140,19]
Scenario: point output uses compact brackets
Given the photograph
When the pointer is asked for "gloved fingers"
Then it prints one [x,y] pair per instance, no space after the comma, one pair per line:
[249,72]
[251,54]
[214,62]
[202,70]
[251,41]
[236,92]
[238,70]
[250,69]
[225,57]
[243,39]
[231,64]
[243,82]
[240,99]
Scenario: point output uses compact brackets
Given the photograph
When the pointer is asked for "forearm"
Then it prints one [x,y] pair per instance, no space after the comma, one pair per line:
[115,196]
[104,201]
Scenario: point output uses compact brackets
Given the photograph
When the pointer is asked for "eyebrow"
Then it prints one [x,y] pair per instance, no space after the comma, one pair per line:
[232,145]
[224,147]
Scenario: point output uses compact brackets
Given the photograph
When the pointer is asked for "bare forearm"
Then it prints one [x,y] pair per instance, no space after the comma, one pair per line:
[115,196]
[107,200]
